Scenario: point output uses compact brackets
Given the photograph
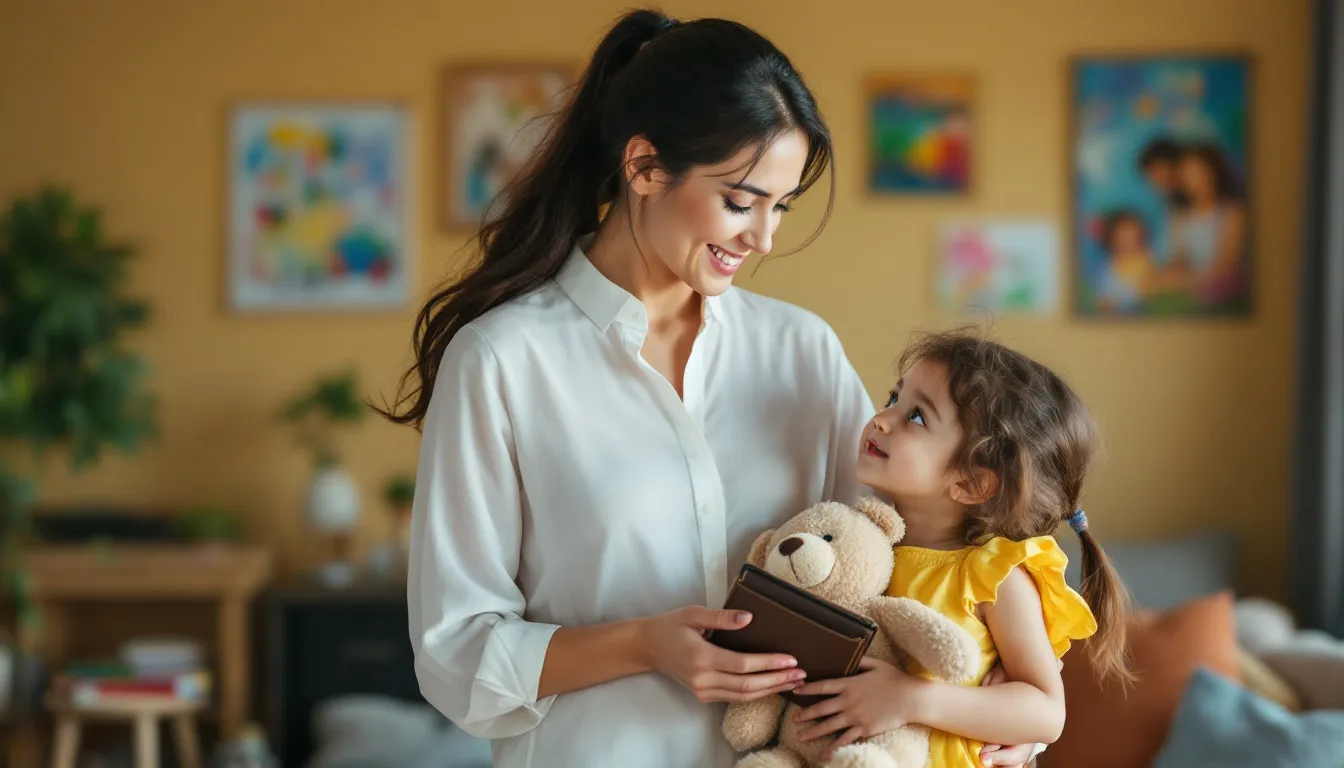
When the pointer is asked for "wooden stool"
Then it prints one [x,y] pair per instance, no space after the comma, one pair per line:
[144,714]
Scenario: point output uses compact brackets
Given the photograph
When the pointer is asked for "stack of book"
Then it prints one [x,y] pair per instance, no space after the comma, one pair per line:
[154,669]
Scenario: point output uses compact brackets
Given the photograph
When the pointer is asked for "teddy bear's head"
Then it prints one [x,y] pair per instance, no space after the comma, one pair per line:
[833,550]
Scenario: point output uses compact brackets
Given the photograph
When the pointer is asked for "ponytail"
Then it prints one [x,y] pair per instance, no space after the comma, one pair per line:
[1106,596]
[699,92]
[554,200]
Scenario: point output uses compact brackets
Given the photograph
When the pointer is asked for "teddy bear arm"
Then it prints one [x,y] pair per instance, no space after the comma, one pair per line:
[752,724]
[934,640]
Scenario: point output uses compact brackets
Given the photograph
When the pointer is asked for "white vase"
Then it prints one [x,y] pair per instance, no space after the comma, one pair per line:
[333,501]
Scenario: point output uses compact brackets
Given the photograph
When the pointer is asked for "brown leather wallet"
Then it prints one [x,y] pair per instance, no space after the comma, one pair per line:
[827,640]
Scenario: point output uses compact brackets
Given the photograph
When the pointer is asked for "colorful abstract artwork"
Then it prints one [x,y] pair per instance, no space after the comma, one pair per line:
[919,134]
[1161,213]
[1003,267]
[319,208]
[494,116]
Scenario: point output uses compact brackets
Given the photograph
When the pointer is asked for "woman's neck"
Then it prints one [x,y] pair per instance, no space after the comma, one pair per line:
[615,254]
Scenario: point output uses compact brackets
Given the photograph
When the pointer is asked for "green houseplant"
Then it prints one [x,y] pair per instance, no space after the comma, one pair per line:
[68,384]
[333,497]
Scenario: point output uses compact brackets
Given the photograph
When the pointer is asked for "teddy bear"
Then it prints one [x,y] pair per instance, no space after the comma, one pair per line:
[845,554]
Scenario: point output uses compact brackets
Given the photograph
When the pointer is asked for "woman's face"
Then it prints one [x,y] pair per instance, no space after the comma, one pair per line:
[1197,178]
[704,228]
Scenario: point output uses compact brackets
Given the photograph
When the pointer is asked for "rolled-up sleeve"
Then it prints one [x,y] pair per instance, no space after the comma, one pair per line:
[477,660]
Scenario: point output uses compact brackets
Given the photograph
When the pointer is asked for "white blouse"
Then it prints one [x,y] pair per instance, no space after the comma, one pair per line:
[562,482]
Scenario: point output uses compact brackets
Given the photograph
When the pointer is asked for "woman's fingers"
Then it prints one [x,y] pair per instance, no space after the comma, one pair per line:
[709,618]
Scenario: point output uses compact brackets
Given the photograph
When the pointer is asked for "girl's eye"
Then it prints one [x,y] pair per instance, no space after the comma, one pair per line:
[892,397]
[734,207]
[917,416]
[783,208]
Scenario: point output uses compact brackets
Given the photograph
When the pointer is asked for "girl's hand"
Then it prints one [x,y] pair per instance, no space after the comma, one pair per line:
[997,754]
[878,699]
[674,645]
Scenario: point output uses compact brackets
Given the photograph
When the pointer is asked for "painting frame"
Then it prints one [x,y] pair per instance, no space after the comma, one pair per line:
[950,93]
[246,295]
[456,213]
[1085,230]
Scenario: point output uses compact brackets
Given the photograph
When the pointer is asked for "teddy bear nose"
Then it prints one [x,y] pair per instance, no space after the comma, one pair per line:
[790,545]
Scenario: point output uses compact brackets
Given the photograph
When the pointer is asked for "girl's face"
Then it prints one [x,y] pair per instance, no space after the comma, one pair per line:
[1128,236]
[906,450]
[703,229]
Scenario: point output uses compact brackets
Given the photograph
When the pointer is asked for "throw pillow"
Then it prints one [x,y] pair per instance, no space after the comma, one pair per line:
[1220,724]
[1109,726]
[1260,679]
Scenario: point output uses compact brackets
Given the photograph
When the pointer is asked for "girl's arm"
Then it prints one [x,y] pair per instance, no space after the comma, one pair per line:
[1030,709]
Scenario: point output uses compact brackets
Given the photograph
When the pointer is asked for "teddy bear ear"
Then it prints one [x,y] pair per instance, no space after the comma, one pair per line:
[884,515]
[760,548]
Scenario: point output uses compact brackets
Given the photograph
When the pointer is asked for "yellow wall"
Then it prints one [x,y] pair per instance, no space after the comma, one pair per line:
[126,101]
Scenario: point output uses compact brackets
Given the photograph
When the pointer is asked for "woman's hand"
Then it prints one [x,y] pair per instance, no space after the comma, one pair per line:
[879,698]
[674,645]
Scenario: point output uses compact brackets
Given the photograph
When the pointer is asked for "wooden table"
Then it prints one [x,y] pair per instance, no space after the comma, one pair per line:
[227,575]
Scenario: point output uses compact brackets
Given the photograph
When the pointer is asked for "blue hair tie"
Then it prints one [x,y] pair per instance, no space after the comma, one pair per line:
[1077,521]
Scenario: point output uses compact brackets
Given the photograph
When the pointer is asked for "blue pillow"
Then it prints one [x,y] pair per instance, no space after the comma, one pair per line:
[1219,723]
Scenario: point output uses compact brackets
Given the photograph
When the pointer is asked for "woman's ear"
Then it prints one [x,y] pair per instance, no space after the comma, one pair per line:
[640,165]
[760,548]
[975,489]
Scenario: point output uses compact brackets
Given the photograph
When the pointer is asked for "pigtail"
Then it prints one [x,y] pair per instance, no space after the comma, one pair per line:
[1109,600]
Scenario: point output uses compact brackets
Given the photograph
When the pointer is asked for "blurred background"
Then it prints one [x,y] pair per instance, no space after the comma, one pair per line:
[214,539]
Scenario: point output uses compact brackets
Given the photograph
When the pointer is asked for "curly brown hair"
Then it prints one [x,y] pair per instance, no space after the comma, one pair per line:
[1022,423]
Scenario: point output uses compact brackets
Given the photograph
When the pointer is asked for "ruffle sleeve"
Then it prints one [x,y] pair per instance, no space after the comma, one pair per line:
[1067,616]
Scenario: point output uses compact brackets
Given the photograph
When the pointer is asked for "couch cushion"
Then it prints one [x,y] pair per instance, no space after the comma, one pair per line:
[1108,726]
[1221,723]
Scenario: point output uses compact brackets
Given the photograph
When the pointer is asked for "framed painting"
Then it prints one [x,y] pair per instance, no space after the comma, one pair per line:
[1160,160]
[919,134]
[318,207]
[1002,266]
[494,115]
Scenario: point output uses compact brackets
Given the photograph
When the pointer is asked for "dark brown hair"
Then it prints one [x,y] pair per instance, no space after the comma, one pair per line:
[1030,430]
[699,91]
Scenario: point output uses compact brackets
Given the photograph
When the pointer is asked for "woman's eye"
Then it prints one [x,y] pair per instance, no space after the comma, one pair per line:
[917,416]
[783,208]
[734,207]
[892,397]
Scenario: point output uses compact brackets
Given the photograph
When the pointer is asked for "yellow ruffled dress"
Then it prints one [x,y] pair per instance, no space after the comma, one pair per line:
[956,582]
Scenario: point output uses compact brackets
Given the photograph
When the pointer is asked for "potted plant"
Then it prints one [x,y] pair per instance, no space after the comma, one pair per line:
[333,497]
[68,383]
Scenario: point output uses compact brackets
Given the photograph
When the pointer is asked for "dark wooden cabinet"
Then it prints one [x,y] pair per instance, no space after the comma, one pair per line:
[322,642]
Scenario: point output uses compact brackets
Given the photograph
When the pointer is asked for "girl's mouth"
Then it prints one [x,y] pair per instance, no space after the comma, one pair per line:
[872,450]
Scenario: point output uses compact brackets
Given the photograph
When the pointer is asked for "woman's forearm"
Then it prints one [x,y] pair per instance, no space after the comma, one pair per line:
[1009,713]
[582,657]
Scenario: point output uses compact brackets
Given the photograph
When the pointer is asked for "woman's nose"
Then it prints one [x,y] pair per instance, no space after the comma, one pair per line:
[759,238]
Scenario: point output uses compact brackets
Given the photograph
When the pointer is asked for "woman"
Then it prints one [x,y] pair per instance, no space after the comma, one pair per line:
[607,425]
[1209,233]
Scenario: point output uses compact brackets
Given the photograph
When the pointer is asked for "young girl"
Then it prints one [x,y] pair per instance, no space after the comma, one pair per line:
[984,452]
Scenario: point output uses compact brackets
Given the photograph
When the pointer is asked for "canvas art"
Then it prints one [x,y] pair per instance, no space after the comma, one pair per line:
[919,134]
[1161,179]
[318,207]
[494,116]
[1000,266]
